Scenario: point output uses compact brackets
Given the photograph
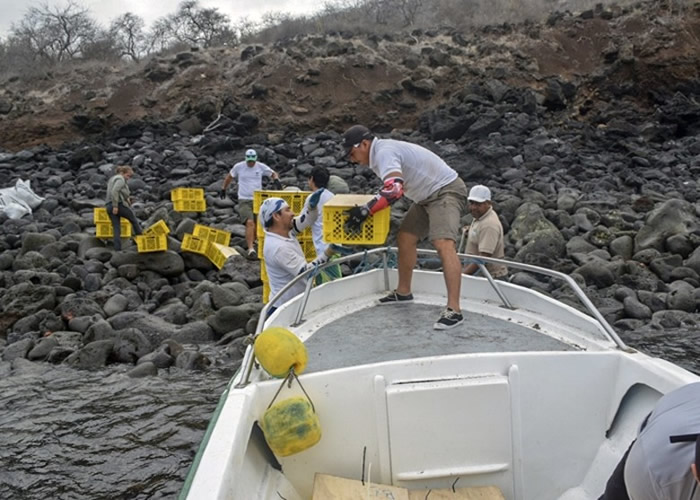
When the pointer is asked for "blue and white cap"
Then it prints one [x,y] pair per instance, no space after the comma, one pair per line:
[269,208]
[251,155]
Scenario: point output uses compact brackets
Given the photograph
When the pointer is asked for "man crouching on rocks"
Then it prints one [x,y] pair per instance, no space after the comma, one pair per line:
[118,203]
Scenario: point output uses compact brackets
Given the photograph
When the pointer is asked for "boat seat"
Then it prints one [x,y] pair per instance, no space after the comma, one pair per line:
[328,487]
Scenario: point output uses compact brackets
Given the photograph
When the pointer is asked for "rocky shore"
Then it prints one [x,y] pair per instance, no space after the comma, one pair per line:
[600,185]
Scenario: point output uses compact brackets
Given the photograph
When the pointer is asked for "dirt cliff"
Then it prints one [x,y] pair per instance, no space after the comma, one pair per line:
[597,58]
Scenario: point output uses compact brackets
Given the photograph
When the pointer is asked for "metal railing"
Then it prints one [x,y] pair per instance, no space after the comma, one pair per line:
[480,261]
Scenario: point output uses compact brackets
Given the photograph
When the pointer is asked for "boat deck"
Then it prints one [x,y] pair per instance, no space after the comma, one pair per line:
[400,331]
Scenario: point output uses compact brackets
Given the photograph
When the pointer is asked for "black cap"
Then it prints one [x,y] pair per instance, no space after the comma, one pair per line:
[355,135]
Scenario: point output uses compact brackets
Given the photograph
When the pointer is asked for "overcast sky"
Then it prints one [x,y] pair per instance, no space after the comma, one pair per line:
[12,11]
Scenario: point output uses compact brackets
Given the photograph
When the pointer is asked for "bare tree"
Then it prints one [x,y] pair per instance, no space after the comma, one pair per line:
[128,34]
[56,34]
[160,37]
[409,10]
[200,26]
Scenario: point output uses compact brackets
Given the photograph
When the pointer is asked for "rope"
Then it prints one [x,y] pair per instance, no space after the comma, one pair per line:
[291,375]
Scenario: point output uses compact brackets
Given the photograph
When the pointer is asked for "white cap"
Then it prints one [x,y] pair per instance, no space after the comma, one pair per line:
[269,208]
[251,155]
[479,194]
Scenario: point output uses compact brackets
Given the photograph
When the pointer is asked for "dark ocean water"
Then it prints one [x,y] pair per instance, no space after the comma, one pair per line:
[69,434]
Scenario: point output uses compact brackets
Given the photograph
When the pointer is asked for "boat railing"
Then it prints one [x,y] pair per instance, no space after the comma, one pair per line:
[384,252]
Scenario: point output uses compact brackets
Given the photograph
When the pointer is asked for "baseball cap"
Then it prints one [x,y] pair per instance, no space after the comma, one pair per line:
[355,135]
[251,155]
[479,194]
[269,208]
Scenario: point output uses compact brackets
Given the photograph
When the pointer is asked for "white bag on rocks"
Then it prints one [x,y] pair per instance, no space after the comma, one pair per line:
[18,201]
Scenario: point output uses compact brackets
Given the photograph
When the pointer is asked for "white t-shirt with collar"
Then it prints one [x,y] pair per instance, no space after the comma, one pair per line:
[284,260]
[423,171]
[249,178]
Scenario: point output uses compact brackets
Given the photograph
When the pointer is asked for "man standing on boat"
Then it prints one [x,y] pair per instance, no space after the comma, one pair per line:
[249,174]
[662,463]
[438,196]
[284,258]
[485,235]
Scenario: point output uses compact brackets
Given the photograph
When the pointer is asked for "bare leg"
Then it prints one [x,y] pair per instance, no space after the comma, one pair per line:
[250,233]
[451,270]
[408,244]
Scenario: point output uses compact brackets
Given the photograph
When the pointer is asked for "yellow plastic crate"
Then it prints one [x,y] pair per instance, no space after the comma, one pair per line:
[295,199]
[195,245]
[374,230]
[263,270]
[211,234]
[266,292]
[308,248]
[104,229]
[100,215]
[159,227]
[181,193]
[190,205]
[218,254]
[151,243]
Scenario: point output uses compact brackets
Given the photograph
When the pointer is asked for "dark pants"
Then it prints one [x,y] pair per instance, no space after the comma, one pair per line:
[125,212]
[615,488]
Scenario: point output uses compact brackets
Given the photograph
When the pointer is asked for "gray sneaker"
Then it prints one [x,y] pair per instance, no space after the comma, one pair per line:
[395,298]
[448,319]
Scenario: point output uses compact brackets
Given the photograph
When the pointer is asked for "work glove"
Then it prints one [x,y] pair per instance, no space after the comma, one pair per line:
[356,217]
[276,184]
[222,194]
[340,250]
[315,198]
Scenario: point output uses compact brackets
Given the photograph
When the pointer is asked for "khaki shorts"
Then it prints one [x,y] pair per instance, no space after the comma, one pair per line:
[245,210]
[437,217]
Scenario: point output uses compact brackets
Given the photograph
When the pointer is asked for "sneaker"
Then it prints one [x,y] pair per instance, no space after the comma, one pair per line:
[394,298]
[252,254]
[448,319]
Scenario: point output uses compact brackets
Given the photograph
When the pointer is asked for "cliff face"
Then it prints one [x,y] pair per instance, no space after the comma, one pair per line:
[581,66]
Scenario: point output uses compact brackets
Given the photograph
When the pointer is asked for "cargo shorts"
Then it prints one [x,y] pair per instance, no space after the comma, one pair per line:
[438,216]
[245,210]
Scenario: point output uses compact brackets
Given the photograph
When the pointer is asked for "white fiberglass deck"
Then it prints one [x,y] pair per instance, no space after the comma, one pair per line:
[403,331]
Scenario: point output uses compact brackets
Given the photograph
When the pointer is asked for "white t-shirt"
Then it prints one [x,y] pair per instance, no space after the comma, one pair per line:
[423,171]
[657,469]
[249,178]
[314,218]
[284,260]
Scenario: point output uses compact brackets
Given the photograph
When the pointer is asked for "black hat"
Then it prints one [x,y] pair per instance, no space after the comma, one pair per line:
[355,135]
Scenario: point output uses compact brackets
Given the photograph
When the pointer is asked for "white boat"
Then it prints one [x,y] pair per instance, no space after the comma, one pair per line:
[528,395]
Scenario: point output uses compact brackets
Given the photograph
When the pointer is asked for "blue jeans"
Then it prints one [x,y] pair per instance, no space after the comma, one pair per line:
[125,212]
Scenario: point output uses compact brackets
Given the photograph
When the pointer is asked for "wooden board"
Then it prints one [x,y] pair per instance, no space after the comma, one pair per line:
[348,200]
[338,488]
[474,493]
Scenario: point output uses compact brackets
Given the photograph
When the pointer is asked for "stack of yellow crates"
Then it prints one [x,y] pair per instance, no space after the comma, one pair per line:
[188,199]
[210,242]
[295,200]
[103,225]
[154,238]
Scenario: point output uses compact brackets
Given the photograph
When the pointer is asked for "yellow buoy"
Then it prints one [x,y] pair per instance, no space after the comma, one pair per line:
[277,349]
[291,426]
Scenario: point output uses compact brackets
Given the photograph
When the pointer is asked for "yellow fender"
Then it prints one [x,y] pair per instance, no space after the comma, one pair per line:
[291,426]
[277,350]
